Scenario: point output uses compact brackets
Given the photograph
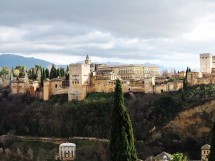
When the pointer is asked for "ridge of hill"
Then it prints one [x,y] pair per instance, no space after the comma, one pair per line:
[10,60]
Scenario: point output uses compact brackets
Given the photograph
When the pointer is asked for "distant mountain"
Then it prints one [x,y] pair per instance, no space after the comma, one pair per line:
[11,60]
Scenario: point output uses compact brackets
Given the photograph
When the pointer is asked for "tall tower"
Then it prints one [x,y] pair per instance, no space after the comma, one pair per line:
[206,63]
[87,60]
[205,150]
[79,79]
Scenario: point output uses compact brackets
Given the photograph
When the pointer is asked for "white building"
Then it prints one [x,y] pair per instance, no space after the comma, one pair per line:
[67,151]
[206,63]
[205,150]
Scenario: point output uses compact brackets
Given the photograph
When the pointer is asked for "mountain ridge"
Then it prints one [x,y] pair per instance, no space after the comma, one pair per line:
[11,60]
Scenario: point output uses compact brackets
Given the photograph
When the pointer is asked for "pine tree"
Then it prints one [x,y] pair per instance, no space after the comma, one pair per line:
[122,140]
[212,150]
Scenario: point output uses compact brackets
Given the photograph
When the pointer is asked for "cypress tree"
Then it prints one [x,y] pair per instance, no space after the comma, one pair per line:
[44,74]
[122,140]
[47,73]
[42,78]
[62,73]
[212,150]
[58,73]
[53,72]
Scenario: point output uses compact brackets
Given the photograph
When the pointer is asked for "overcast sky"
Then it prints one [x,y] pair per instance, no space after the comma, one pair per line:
[165,32]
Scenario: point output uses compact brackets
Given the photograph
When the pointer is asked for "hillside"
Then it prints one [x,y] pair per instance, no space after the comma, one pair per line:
[167,121]
[36,149]
[195,122]
[10,61]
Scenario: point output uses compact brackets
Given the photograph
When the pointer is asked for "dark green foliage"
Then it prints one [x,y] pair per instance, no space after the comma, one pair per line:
[165,109]
[58,73]
[43,76]
[62,72]
[53,72]
[57,117]
[122,140]
[212,150]
[47,73]
[32,74]
[185,82]
[46,151]
[29,116]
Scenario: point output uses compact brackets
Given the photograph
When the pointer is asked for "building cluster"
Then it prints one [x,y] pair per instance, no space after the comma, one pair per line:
[67,151]
[164,156]
[88,77]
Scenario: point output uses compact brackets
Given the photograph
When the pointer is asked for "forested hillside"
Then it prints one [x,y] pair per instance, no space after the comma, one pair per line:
[24,115]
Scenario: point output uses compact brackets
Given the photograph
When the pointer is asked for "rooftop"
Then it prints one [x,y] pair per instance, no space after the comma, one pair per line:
[161,155]
[67,144]
[206,147]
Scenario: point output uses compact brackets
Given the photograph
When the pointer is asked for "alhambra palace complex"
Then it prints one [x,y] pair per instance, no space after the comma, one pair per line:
[88,77]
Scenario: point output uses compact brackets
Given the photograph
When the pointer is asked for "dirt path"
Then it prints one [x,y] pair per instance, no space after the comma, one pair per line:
[55,140]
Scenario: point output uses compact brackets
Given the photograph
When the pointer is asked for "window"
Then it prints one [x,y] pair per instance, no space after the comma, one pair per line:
[55,85]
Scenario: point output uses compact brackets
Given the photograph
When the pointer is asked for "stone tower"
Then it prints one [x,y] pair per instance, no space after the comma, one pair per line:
[46,90]
[205,150]
[206,63]
[87,60]
[79,81]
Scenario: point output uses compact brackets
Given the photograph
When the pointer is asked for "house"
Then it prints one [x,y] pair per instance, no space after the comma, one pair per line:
[205,150]
[67,151]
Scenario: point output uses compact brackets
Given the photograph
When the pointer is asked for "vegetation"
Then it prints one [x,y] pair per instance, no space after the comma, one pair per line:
[24,115]
[212,150]
[24,150]
[179,157]
[55,73]
[47,73]
[122,140]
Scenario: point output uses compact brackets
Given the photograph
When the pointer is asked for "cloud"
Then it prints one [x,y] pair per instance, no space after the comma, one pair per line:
[170,33]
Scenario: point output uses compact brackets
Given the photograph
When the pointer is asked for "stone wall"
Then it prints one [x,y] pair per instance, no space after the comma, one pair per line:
[54,87]
[18,87]
[170,86]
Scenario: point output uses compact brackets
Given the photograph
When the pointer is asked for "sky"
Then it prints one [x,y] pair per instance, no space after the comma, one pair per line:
[169,33]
